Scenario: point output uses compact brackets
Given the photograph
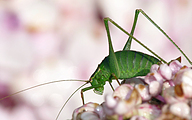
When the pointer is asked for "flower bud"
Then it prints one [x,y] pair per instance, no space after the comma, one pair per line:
[154,68]
[175,66]
[180,109]
[143,91]
[155,88]
[165,71]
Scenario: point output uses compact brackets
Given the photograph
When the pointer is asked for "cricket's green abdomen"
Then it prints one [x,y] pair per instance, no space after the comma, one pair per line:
[133,63]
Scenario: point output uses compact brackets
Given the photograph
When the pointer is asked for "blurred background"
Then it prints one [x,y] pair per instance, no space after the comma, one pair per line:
[47,40]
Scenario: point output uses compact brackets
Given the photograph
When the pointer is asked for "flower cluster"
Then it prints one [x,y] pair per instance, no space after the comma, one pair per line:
[164,93]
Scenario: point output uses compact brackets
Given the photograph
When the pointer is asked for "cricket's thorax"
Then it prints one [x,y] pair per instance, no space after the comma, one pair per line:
[131,64]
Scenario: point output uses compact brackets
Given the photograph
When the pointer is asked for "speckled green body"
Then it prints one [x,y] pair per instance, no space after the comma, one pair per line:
[131,64]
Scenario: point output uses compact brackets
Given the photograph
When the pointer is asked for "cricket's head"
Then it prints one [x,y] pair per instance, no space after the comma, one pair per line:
[98,88]
[100,76]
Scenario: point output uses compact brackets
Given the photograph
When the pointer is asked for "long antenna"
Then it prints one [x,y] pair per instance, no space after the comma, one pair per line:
[40,85]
